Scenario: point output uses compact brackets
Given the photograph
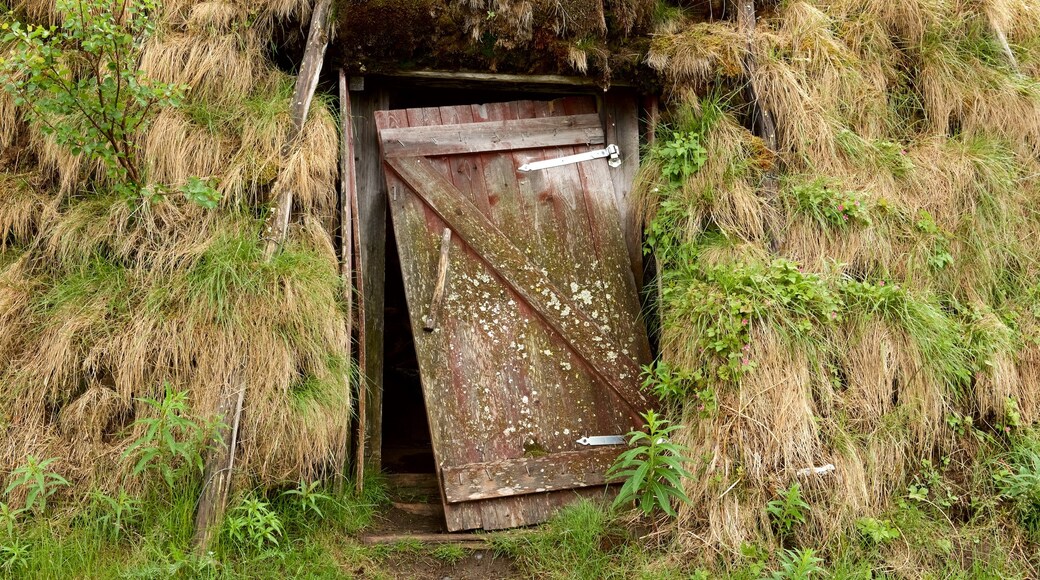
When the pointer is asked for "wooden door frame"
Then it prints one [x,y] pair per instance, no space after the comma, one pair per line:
[622,112]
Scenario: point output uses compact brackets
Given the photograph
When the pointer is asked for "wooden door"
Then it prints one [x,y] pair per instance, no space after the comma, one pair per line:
[525,280]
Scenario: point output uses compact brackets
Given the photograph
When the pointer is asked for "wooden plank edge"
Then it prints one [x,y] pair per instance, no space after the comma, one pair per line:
[500,78]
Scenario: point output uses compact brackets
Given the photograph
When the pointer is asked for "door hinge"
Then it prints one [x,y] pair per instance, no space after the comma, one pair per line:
[602,440]
[611,152]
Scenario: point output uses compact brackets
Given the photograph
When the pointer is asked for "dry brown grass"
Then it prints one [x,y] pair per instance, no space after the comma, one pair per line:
[112,297]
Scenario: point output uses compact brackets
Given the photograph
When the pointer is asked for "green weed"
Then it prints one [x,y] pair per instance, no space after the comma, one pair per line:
[877,531]
[1020,483]
[653,468]
[801,564]
[788,511]
[253,525]
[172,440]
[116,514]
[37,482]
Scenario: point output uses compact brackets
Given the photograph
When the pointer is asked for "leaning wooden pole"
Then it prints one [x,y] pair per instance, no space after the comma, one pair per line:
[762,117]
[350,270]
[220,461]
[306,84]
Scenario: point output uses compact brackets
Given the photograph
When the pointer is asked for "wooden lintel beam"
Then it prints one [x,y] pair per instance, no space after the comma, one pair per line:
[455,77]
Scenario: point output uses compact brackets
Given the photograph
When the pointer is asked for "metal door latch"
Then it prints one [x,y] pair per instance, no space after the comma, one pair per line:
[612,153]
[602,440]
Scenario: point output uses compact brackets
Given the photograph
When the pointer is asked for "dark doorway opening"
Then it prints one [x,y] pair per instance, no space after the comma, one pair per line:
[407,447]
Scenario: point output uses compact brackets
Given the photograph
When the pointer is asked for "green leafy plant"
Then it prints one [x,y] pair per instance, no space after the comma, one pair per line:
[682,155]
[202,192]
[14,556]
[800,564]
[8,519]
[789,510]
[38,483]
[1020,483]
[253,524]
[672,383]
[652,468]
[306,499]
[830,206]
[877,531]
[116,513]
[171,439]
[81,82]
[929,487]
[939,256]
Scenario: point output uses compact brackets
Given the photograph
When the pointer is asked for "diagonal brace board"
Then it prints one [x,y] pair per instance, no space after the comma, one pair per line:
[607,362]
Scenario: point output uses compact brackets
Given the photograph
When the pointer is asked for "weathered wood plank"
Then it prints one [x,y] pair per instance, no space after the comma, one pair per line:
[533,82]
[347,200]
[370,236]
[621,120]
[430,321]
[527,475]
[616,370]
[306,83]
[502,135]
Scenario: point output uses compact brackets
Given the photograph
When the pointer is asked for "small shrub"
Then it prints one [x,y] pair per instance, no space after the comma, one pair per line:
[788,510]
[171,439]
[801,564]
[877,531]
[253,524]
[38,482]
[652,469]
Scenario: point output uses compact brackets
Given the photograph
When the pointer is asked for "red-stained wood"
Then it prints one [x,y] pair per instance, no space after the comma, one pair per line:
[503,135]
[501,379]
[527,475]
[583,333]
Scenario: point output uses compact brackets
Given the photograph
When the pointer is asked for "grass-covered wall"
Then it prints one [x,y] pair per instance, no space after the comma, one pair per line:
[877,308]
[864,295]
[106,298]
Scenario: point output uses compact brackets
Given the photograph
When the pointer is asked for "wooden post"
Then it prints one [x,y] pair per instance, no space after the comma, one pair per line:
[347,198]
[306,83]
[620,112]
[370,237]
[764,125]
[218,474]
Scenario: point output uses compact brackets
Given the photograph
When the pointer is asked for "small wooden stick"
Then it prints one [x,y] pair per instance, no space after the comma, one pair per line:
[430,321]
